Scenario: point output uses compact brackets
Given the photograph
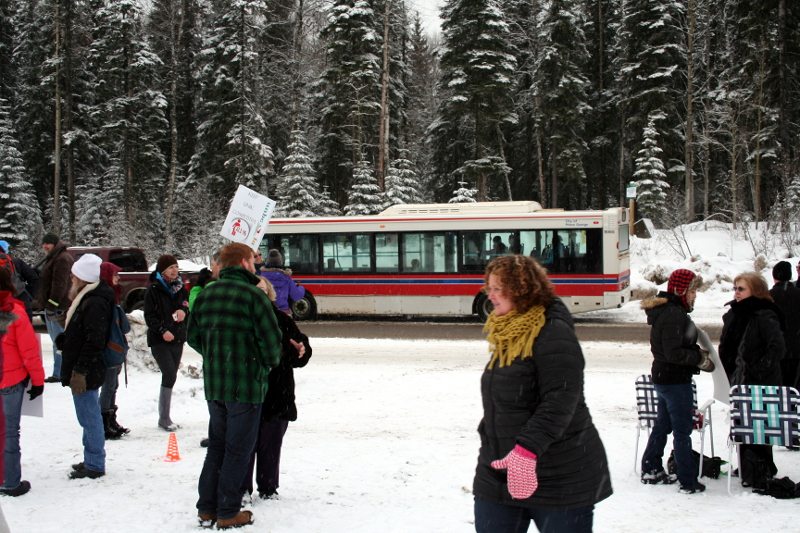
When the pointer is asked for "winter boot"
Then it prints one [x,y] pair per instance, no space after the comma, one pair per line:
[111,433]
[244,518]
[116,425]
[164,402]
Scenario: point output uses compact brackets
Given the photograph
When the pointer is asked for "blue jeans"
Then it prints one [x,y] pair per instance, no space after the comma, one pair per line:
[232,432]
[12,407]
[54,329]
[108,393]
[491,517]
[675,412]
[87,409]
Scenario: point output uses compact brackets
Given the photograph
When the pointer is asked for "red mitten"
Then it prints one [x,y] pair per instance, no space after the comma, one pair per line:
[521,466]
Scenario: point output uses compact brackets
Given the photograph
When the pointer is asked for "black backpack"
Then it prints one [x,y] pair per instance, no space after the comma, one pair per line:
[712,466]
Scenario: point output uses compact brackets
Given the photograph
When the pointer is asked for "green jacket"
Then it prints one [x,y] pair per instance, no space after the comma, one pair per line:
[233,327]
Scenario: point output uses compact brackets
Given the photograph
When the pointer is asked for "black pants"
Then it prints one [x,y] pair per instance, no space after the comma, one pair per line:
[268,452]
[757,465]
[168,357]
[790,372]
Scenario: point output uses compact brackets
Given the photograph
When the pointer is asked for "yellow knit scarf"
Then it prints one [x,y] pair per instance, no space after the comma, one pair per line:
[512,335]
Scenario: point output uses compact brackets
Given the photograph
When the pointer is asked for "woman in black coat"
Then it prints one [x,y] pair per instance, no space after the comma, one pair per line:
[751,348]
[88,322]
[279,406]
[166,308]
[541,457]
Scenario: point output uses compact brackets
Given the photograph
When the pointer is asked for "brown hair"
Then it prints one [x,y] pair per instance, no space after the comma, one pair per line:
[758,287]
[232,254]
[523,280]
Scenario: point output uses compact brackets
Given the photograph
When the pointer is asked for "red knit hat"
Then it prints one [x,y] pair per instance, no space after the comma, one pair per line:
[107,271]
[680,282]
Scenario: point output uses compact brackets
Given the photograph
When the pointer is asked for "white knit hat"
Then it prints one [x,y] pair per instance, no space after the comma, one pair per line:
[87,268]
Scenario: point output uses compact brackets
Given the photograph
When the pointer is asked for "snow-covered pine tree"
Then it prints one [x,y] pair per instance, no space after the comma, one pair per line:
[231,144]
[402,183]
[299,193]
[365,196]
[20,220]
[130,119]
[464,194]
[327,205]
[561,89]
[478,67]
[650,176]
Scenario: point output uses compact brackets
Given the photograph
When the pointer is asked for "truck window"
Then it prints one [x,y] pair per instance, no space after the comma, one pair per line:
[128,260]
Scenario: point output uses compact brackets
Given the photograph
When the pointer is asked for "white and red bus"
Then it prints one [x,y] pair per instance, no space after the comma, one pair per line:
[429,259]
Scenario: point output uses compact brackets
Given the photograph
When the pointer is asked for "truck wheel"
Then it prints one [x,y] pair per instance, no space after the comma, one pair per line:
[135,303]
[305,308]
[483,307]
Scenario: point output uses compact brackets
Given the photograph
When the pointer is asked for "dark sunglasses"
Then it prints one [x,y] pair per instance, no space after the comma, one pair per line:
[740,289]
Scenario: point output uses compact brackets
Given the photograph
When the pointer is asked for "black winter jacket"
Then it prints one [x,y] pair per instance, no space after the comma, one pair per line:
[538,403]
[673,340]
[279,401]
[85,338]
[752,327]
[159,305]
[787,298]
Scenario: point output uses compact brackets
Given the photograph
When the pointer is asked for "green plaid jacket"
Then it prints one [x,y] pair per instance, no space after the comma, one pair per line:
[233,327]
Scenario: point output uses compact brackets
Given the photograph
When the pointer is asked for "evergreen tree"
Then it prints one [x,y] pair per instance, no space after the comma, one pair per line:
[365,196]
[477,75]
[20,222]
[231,147]
[8,73]
[350,91]
[129,115]
[402,184]
[561,88]
[300,194]
[650,176]
[464,194]
[327,205]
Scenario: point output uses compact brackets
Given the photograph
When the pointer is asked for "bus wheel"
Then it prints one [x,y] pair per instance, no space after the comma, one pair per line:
[305,308]
[483,306]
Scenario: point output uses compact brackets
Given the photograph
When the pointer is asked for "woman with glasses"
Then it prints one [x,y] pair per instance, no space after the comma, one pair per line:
[751,348]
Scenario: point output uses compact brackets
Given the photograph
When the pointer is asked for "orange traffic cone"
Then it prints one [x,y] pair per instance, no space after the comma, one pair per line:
[172,449]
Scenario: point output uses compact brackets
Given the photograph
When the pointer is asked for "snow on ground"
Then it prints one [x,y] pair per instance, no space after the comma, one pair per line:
[386,438]
[386,441]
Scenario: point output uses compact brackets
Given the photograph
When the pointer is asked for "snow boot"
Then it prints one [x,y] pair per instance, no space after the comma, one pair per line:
[164,402]
[658,477]
[111,433]
[116,425]
[242,519]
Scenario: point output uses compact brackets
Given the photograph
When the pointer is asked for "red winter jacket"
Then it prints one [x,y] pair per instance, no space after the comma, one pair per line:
[21,354]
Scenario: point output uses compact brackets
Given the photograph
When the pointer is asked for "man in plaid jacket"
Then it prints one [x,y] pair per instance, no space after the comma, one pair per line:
[233,327]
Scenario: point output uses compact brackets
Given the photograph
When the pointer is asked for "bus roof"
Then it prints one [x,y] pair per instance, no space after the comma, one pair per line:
[470,208]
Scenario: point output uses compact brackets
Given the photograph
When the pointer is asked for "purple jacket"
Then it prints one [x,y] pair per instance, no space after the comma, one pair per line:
[285,287]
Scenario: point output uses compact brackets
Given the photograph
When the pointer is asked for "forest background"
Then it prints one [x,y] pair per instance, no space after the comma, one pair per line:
[133,122]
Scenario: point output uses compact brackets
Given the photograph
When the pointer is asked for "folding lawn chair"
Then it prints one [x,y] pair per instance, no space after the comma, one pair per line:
[762,414]
[647,411]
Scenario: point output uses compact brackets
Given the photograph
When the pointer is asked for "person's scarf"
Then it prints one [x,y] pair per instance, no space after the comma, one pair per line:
[172,287]
[77,301]
[512,335]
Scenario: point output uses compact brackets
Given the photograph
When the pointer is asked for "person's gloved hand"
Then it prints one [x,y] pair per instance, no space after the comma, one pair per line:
[77,383]
[521,466]
[706,364]
[35,391]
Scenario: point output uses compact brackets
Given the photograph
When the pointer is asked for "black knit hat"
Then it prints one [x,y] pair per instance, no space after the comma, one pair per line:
[50,238]
[274,259]
[782,271]
[165,261]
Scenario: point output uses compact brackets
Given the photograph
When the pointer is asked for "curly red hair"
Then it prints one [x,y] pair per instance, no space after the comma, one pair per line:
[523,280]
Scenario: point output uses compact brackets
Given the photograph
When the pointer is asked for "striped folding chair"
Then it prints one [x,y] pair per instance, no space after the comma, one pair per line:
[763,414]
[647,411]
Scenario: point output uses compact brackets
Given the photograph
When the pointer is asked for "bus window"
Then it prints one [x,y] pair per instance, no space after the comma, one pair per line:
[624,238]
[346,253]
[429,252]
[300,252]
[566,251]
[387,252]
[472,253]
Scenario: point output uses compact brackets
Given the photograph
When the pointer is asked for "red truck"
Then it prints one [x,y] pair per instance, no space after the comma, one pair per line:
[134,277]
